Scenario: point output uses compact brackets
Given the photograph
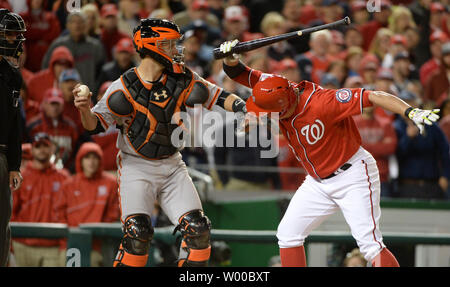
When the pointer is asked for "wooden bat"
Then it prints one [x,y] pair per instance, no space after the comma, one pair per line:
[258,43]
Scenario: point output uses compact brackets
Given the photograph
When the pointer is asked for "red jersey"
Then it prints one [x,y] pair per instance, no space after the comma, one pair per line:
[321,131]
[35,200]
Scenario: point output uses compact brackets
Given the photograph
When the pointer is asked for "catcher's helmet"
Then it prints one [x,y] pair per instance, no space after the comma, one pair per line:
[157,38]
[272,94]
[12,28]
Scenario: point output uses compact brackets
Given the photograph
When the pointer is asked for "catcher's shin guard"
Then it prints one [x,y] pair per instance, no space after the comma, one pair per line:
[133,251]
[195,249]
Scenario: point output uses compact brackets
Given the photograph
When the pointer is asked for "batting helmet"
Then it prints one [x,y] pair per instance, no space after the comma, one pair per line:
[157,38]
[12,28]
[272,94]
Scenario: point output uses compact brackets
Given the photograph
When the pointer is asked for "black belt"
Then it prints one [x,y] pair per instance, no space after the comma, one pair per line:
[3,148]
[344,167]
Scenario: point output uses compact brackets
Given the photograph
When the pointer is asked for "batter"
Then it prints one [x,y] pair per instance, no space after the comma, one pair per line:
[322,134]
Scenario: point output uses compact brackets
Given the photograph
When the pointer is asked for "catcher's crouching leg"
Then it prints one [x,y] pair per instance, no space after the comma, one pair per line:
[133,251]
[195,247]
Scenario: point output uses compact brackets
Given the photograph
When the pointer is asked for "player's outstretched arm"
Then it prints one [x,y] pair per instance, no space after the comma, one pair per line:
[396,105]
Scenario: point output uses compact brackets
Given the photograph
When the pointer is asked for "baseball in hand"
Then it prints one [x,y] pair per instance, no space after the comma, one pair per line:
[84,91]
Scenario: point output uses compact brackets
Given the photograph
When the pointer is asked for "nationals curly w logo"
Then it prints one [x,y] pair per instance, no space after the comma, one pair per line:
[313,133]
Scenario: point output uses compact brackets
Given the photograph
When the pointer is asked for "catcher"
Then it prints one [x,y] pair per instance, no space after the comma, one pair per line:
[142,103]
[321,132]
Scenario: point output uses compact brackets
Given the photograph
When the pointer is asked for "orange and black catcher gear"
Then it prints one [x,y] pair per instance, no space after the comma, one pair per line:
[151,34]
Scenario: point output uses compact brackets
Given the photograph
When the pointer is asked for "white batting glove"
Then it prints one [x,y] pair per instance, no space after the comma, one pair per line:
[422,117]
[225,47]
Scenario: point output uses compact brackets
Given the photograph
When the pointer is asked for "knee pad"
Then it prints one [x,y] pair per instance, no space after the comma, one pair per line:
[133,250]
[195,248]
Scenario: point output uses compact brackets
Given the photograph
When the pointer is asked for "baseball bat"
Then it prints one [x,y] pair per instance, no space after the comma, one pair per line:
[258,43]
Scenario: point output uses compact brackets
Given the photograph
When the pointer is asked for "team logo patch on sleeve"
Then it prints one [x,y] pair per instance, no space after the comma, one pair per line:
[344,95]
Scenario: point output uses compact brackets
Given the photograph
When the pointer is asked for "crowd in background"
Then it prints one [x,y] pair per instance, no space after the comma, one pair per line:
[402,48]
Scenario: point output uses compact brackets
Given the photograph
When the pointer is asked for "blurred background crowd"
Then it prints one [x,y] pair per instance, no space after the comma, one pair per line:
[399,46]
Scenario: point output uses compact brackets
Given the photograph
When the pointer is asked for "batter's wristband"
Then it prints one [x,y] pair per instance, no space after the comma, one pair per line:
[239,106]
[408,110]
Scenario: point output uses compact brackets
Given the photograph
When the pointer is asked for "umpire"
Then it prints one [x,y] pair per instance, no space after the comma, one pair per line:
[12,28]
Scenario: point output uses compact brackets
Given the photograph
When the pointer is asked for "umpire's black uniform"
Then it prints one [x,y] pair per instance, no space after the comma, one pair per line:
[11,39]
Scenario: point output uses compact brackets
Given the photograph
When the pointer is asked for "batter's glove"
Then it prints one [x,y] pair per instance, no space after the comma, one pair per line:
[422,117]
[225,47]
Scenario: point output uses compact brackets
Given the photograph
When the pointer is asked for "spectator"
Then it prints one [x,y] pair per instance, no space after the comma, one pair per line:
[66,83]
[437,39]
[150,6]
[60,60]
[400,19]
[398,44]
[273,24]
[368,69]
[88,52]
[235,23]
[331,11]
[380,20]
[123,60]
[92,20]
[385,83]
[339,71]
[89,196]
[192,45]
[208,38]
[360,15]
[437,14]
[107,140]
[35,202]
[329,81]
[412,43]
[291,11]
[353,37]
[379,138]
[354,259]
[42,28]
[62,130]
[438,83]
[288,68]
[353,82]
[401,71]
[318,56]
[424,162]
[110,34]
[353,59]
[196,10]
[337,45]
[128,16]
[420,10]
[380,44]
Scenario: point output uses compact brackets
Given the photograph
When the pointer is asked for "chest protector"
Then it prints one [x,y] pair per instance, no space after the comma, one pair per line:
[151,127]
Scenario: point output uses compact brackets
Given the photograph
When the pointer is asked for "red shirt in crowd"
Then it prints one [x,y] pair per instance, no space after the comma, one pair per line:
[35,200]
[46,79]
[42,28]
[63,132]
[88,200]
[379,138]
